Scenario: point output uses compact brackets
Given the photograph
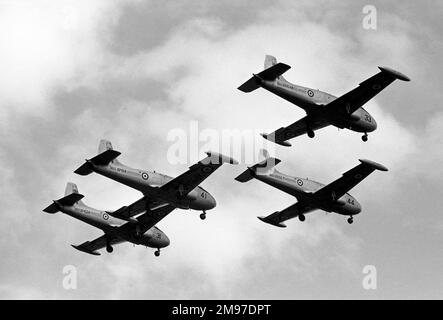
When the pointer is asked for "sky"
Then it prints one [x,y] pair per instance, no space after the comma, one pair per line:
[138,72]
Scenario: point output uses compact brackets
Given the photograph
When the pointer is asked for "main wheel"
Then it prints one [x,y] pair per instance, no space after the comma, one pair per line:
[157,253]
[109,249]
[350,220]
[365,138]
[311,133]
[301,218]
[203,216]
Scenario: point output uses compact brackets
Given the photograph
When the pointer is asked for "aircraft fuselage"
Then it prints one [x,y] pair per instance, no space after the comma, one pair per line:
[153,237]
[149,184]
[314,103]
[302,188]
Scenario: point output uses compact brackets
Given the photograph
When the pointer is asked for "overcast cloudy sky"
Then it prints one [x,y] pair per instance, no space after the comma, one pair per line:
[73,72]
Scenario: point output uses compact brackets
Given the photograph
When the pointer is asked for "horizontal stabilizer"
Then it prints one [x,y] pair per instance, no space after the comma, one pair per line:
[82,248]
[105,157]
[274,223]
[269,74]
[273,72]
[69,200]
[245,176]
[84,169]
[374,164]
[52,208]
[250,85]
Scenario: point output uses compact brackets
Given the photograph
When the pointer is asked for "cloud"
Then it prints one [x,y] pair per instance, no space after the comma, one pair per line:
[82,89]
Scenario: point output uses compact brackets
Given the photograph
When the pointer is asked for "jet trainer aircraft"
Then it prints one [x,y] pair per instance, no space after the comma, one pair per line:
[182,192]
[322,109]
[311,195]
[161,195]
[141,230]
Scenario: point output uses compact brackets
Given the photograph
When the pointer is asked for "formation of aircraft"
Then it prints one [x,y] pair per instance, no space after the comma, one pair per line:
[311,195]
[322,109]
[161,195]
[136,222]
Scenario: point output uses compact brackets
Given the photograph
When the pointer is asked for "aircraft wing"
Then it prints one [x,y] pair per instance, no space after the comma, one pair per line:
[127,231]
[347,181]
[91,247]
[356,98]
[296,129]
[197,173]
[278,217]
[152,217]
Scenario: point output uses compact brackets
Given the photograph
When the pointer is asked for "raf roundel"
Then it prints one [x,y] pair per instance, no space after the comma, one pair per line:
[105,216]
[376,86]
[299,182]
[207,169]
[310,93]
[145,176]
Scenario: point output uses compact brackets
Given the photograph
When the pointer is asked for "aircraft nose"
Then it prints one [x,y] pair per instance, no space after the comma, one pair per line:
[358,208]
[165,241]
[212,202]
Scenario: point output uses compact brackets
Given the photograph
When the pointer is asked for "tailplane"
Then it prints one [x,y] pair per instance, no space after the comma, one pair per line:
[106,155]
[262,167]
[71,197]
[273,70]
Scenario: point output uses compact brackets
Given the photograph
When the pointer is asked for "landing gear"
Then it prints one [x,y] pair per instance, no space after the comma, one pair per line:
[157,253]
[109,248]
[301,217]
[311,133]
[365,137]
[350,220]
[203,215]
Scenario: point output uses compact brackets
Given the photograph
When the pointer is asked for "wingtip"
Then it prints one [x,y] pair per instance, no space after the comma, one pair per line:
[396,74]
[281,143]
[280,224]
[374,164]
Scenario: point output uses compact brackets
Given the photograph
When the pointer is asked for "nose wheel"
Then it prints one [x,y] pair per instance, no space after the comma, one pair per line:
[157,253]
[365,137]
[203,215]
[301,217]
[350,220]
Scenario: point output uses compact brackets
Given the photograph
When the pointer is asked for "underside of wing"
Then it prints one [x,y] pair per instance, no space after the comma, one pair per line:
[356,98]
[197,173]
[152,217]
[91,247]
[277,218]
[296,129]
[335,190]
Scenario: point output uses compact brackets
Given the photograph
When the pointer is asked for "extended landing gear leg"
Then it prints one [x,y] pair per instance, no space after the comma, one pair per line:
[203,215]
[157,253]
[365,137]
[301,217]
[350,220]
[311,133]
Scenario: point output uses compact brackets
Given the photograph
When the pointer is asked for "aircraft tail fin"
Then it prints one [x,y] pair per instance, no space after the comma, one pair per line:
[273,70]
[261,167]
[71,197]
[106,155]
